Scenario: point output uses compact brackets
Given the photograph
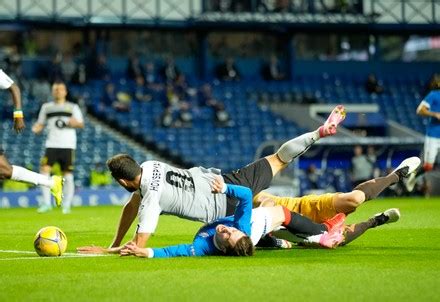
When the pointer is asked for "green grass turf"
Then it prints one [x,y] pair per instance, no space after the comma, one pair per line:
[396,262]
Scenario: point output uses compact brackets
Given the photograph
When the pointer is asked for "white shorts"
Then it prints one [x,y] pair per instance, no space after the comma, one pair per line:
[432,144]
[261,223]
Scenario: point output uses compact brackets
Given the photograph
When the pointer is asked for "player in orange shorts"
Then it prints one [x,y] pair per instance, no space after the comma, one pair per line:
[322,207]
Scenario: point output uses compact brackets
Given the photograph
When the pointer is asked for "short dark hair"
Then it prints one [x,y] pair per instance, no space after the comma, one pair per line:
[243,247]
[59,82]
[123,166]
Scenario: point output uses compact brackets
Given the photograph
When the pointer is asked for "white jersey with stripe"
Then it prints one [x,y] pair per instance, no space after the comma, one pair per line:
[5,81]
[184,193]
[56,116]
[261,223]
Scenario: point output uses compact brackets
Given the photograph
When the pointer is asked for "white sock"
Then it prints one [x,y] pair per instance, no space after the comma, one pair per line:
[45,191]
[312,240]
[297,146]
[69,190]
[25,175]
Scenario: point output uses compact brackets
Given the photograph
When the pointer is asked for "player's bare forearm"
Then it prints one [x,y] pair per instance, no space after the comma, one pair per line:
[92,249]
[16,96]
[128,215]
[19,124]
[141,239]
[422,110]
[74,123]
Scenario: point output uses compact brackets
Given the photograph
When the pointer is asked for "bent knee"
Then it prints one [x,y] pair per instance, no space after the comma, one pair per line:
[348,202]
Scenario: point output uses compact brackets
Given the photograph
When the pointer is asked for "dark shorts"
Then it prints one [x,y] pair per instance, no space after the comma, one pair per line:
[64,157]
[257,176]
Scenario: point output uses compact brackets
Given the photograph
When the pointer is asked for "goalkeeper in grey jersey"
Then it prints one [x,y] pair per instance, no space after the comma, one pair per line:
[160,188]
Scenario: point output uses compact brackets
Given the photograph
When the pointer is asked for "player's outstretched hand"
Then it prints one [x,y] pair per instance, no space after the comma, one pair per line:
[91,249]
[130,248]
[217,184]
[19,125]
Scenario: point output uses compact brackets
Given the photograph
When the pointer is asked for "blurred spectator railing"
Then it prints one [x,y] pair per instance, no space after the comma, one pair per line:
[322,11]
[101,11]
[162,12]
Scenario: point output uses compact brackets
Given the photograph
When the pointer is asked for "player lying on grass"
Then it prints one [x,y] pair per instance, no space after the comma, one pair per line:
[238,234]
[160,188]
[322,207]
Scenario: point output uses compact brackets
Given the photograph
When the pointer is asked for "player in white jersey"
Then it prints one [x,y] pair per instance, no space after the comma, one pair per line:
[236,235]
[160,188]
[8,171]
[61,118]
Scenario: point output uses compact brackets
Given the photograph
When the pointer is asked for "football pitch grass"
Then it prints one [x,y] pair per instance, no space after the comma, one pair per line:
[395,262]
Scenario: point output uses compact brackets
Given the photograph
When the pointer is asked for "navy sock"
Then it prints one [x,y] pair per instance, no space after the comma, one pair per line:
[300,225]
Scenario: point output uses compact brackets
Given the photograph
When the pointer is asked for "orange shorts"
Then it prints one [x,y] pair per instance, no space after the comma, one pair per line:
[316,207]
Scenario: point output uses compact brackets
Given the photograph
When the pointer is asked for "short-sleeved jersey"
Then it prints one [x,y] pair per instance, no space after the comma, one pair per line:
[5,81]
[432,102]
[56,116]
[184,193]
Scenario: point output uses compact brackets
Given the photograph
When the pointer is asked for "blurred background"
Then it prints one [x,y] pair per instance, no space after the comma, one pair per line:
[220,83]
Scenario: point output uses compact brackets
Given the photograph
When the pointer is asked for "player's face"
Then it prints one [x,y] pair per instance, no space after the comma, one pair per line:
[59,91]
[228,236]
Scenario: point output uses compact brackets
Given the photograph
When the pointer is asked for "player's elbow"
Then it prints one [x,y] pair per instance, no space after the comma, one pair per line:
[422,110]
[14,89]
[247,193]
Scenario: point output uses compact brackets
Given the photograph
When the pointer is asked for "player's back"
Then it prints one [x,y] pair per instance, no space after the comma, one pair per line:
[185,193]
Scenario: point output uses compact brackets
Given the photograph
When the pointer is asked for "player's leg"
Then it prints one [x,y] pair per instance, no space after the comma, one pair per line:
[45,203]
[17,173]
[430,151]
[327,234]
[297,146]
[258,175]
[298,224]
[318,208]
[47,161]
[67,165]
[372,188]
[354,231]
[69,192]
[348,202]
[322,207]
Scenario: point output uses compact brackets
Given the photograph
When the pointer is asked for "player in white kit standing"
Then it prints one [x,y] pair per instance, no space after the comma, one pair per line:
[17,173]
[61,118]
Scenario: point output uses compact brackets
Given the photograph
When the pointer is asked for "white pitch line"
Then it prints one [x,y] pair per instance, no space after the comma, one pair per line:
[16,252]
[65,255]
